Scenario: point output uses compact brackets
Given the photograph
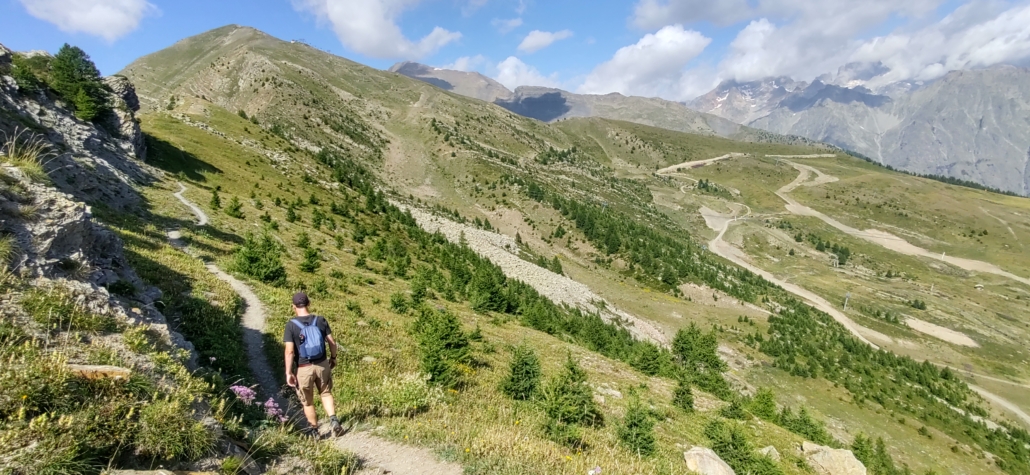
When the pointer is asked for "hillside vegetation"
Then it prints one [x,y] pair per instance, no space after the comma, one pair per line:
[310,166]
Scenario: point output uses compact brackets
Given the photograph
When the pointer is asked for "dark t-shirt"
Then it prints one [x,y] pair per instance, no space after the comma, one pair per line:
[293,334]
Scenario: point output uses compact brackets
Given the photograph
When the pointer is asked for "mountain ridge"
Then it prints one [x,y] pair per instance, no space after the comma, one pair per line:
[968,124]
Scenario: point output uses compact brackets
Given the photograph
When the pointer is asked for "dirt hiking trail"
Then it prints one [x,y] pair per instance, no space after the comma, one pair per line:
[378,456]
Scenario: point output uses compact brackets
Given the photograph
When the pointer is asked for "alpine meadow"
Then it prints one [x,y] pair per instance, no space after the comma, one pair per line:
[511,296]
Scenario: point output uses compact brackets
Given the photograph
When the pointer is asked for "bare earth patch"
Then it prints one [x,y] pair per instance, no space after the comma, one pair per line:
[941,333]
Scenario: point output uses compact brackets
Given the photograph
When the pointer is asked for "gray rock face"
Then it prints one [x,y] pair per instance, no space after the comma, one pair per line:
[469,84]
[59,244]
[827,461]
[82,159]
[704,461]
[745,102]
[125,104]
[969,124]
[5,55]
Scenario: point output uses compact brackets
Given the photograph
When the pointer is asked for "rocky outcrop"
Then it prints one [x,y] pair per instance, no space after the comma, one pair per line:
[828,461]
[59,245]
[5,55]
[704,461]
[90,162]
[124,105]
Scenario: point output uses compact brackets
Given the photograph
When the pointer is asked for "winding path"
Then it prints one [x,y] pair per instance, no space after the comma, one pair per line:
[377,455]
[876,236]
[720,222]
[253,320]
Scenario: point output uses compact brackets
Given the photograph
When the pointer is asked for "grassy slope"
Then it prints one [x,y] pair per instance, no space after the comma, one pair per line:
[419,162]
[502,436]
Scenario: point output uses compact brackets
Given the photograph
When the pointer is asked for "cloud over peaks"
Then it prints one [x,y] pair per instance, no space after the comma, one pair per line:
[653,66]
[108,19]
[512,72]
[537,40]
[369,27]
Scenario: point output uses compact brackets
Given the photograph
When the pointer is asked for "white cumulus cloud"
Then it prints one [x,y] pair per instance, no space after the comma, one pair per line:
[512,72]
[537,40]
[108,19]
[467,63]
[972,36]
[653,66]
[369,27]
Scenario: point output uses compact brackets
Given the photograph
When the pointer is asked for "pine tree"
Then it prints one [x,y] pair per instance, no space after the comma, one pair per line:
[735,410]
[683,397]
[303,240]
[556,265]
[291,214]
[260,259]
[235,208]
[443,346]
[569,402]
[524,374]
[637,430]
[311,261]
[75,78]
[764,404]
[216,201]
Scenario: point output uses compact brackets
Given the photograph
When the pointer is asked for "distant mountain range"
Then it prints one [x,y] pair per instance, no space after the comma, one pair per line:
[972,125]
[548,104]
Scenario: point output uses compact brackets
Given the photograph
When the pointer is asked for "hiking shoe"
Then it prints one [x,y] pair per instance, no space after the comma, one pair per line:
[335,428]
[310,432]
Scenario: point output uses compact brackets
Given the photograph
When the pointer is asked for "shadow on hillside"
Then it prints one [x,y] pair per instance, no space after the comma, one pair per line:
[172,159]
[440,83]
[209,324]
[160,225]
[545,107]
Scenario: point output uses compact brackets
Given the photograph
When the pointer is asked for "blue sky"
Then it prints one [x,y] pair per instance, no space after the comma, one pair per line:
[674,49]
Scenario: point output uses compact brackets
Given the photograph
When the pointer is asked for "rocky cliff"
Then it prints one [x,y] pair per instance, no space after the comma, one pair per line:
[95,163]
[47,215]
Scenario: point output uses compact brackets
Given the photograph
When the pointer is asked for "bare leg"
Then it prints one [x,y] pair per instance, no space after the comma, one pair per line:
[329,404]
[310,415]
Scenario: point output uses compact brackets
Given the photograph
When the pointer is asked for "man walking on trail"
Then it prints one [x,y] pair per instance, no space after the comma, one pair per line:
[305,341]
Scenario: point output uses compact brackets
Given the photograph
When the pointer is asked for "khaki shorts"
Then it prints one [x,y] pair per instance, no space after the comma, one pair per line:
[311,378]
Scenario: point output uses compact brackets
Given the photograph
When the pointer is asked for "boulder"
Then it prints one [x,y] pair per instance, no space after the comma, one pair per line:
[100,372]
[704,461]
[770,452]
[828,461]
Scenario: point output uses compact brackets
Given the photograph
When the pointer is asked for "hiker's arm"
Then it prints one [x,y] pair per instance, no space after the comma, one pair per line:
[291,379]
[332,346]
[332,350]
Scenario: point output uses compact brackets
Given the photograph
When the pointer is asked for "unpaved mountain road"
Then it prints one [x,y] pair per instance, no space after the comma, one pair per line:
[721,222]
[376,454]
[876,236]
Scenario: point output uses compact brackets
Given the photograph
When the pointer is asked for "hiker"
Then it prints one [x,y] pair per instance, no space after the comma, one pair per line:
[305,341]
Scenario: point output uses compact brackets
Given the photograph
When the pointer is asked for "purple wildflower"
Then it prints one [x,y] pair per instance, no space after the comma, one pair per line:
[244,394]
[273,412]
